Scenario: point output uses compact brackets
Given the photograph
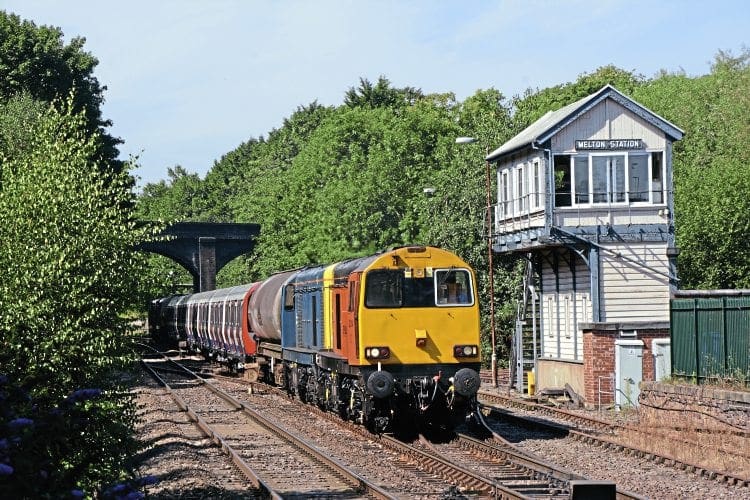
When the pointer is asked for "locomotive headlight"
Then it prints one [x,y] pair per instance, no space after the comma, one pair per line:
[465,351]
[377,352]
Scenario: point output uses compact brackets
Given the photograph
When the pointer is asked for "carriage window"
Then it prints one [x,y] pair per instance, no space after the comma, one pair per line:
[453,287]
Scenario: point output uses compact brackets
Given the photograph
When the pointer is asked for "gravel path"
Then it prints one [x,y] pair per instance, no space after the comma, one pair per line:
[185,463]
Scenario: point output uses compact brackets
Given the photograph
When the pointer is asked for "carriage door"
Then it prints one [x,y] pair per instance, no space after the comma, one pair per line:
[628,372]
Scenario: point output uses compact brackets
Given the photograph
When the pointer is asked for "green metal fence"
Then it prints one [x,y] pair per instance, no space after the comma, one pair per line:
[710,335]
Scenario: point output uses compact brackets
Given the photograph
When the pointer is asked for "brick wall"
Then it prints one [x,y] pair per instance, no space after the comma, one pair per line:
[599,356]
[598,366]
[709,414]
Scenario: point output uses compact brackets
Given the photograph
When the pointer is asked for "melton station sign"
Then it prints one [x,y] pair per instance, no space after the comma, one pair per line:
[608,144]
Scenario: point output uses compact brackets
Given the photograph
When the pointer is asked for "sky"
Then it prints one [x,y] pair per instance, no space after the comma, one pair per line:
[190,80]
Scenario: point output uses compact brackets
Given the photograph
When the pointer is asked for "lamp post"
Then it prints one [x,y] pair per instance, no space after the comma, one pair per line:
[491,276]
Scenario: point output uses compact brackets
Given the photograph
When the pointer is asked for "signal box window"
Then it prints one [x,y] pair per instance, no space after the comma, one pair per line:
[563,181]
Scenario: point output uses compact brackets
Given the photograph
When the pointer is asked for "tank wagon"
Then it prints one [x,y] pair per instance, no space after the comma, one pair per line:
[389,340]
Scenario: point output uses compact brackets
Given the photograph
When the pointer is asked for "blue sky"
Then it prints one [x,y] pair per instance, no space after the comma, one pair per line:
[188,81]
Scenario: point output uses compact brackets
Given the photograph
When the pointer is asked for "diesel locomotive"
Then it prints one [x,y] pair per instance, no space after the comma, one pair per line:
[389,340]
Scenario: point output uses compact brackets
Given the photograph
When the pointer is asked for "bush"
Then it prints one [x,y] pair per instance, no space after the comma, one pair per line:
[66,233]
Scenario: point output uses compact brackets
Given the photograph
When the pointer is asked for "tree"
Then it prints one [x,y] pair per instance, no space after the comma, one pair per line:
[710,169]
[17,116]
[713,224]
[69,275]
[460,221]
[180,198]
[380,95]
[34,60]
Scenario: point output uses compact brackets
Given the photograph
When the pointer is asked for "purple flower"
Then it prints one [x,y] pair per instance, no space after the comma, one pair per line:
[3,443]
[76,493]
[5,470]
[83,395]
[117,489]
[19,423]
[134,495]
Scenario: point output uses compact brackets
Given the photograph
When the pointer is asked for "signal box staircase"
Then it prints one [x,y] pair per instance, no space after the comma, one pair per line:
[526,345]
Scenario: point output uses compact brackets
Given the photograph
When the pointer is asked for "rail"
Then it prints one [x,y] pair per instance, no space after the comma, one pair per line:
[362,486]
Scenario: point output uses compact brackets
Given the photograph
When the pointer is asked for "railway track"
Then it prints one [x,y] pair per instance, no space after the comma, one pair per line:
[605,434]
[279,463]
[475,468]
[462,472]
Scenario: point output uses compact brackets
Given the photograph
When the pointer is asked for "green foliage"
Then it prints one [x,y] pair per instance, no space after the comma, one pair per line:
[334,183]
[711,169]
[380,95]
[713,224]
[69,272]
[34,60]
[179,198]
[17,115]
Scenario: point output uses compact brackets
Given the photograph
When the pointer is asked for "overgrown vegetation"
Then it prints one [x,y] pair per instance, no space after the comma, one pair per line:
[66,236]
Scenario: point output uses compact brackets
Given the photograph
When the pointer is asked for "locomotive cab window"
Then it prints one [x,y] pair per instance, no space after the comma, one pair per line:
[289,297]
[395,288]
[384,288]
[453,287]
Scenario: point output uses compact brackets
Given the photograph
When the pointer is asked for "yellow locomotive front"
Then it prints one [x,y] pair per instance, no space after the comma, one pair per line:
[418,334]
